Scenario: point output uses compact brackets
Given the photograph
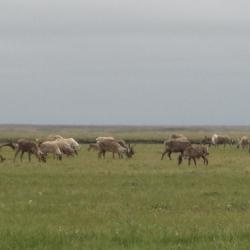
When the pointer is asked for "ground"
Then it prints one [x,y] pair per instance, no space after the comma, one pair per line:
[140,203]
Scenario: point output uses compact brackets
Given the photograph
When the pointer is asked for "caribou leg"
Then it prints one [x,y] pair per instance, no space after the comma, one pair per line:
[169,155]
[180,159]
[17,152]
[163,154]
[205,160]
[101,154]
[194,161]
[21,156]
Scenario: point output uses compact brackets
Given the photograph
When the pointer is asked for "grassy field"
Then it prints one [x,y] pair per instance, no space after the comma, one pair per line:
[141,203]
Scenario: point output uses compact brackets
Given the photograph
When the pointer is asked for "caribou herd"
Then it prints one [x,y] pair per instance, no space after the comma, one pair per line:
[58,146]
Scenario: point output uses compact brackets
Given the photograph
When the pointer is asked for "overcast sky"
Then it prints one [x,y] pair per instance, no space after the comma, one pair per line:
[130,62]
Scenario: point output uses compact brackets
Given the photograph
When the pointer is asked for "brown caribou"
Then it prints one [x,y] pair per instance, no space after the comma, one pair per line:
[175,146]
[193,153]
[27,146]
[116,147]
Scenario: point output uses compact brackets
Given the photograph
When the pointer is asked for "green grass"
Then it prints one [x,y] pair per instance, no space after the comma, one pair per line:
[142,203]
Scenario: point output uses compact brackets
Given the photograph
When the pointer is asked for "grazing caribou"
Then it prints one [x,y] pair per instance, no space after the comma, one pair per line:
[221,140]
[115,148]
[193,153]
[26,146]
[243,142]
[109,144]
[175,146]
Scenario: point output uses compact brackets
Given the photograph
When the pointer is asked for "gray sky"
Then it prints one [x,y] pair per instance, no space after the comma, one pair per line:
[125,62]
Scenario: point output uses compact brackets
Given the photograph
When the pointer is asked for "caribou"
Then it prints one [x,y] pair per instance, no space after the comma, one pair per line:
[109,144]
[221,140]
[243,142]
[194,152]
[30,147]
[175,146]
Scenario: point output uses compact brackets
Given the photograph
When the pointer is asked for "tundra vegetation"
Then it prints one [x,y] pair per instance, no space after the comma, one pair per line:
[84,202]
